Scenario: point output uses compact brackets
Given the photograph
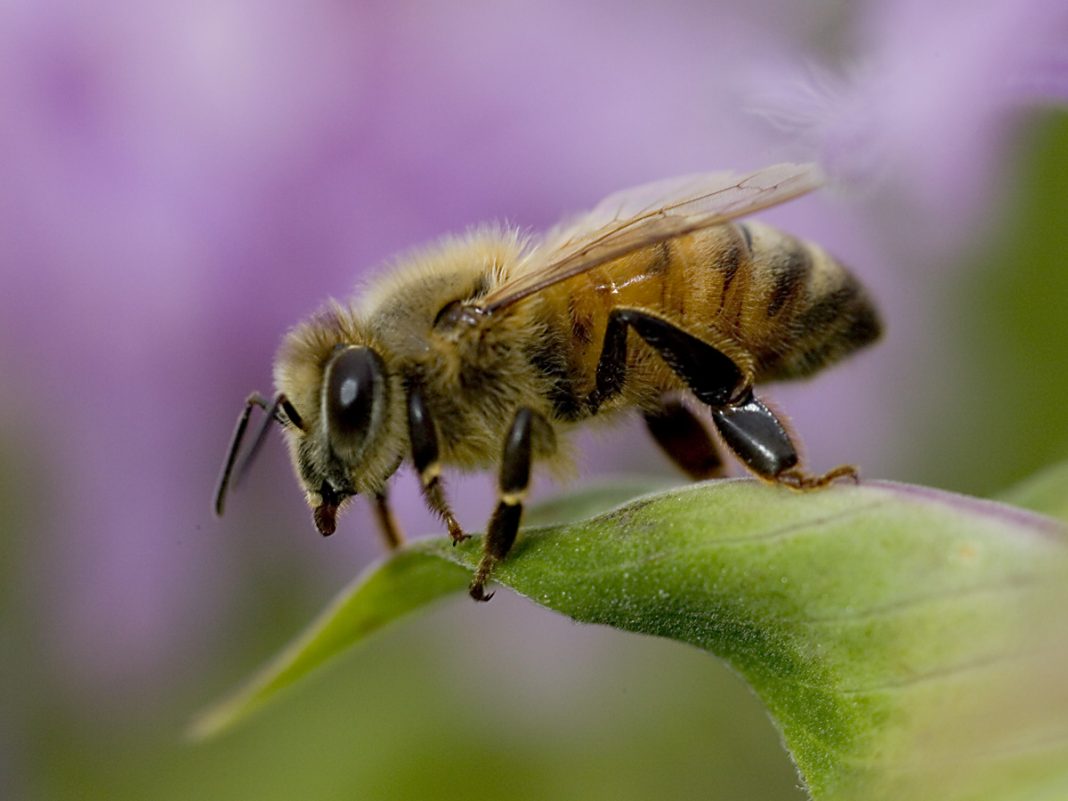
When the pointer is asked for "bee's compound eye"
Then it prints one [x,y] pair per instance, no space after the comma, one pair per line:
[355,378]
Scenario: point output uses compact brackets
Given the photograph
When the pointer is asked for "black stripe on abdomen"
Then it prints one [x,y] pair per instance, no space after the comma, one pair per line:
[840,322]
[791,271]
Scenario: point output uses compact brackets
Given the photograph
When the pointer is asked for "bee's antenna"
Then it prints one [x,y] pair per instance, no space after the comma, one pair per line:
[261,436]
[280,403]
[255,399]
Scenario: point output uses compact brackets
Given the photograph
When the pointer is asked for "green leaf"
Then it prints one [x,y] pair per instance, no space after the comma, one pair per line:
[907,643]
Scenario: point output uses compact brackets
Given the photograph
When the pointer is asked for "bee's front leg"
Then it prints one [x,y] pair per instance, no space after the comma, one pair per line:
[387,523]
[512,487]
[423,435]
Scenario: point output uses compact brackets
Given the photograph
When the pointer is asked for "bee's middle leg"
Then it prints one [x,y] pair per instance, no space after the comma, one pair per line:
[512,487]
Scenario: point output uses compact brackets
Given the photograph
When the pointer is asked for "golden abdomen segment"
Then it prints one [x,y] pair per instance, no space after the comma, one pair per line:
[780,308]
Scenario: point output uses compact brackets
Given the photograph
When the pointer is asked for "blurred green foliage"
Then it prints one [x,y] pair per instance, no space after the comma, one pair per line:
[1045,492]
[1006,319]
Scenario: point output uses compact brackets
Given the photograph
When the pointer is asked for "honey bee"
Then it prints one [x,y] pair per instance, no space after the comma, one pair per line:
[486,350]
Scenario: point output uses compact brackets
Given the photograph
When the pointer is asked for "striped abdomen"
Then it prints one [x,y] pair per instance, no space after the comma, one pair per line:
[779,307]
[804,310]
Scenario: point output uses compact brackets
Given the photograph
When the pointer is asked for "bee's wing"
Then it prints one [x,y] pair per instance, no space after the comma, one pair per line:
[642,216]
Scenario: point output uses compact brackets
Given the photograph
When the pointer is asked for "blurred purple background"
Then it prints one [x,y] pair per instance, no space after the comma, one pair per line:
[178,184]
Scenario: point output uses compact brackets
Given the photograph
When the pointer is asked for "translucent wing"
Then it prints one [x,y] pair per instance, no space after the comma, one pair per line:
[642,216]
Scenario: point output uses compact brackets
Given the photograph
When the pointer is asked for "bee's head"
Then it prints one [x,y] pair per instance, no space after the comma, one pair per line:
[338,459]
[334,406]
[352,434]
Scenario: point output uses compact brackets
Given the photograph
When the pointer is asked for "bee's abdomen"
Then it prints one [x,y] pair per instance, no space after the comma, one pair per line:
[806,310]
[779,307]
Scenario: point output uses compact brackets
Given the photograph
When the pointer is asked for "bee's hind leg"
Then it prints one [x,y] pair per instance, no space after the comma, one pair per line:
[711,375]
[748,427]
[512,487]
[799,480]
[757,437]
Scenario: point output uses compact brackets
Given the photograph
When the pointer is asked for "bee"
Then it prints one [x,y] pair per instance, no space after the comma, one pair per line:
[485,351]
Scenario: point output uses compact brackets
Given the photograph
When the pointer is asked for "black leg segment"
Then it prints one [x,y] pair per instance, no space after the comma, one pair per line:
[711,375]
[756,436]
[612,364]
[683,437]
[423,436]
[512,486]
[761,441]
